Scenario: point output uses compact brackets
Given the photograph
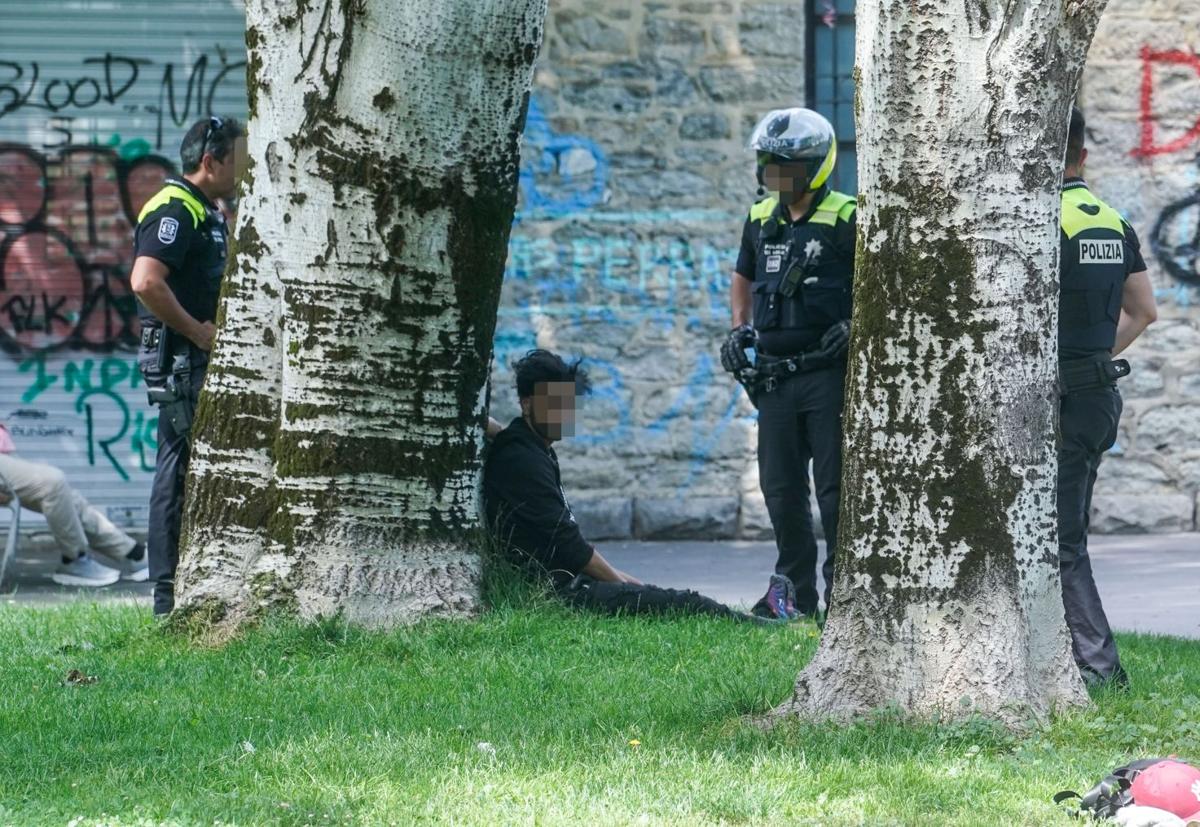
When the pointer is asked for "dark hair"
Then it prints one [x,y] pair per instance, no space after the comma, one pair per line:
[543,366]
[1075,138]
[213,136]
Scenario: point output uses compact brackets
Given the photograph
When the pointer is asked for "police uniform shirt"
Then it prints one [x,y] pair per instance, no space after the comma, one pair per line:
[185,231]
[526,506]
[1099,250]
[823,240]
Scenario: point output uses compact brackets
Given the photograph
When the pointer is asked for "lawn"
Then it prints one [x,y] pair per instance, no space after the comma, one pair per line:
[531,715]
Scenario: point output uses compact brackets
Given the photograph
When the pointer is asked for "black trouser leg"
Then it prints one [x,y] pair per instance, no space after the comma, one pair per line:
[166,508]
[1088,426]
[783,457]
[627,598]
[801,420]
[825,436]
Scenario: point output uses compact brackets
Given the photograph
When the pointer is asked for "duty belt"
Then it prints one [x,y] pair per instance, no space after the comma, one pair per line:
[775,369]
[1076,375]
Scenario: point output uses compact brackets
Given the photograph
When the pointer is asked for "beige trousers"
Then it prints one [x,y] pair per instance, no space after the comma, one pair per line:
[76,524]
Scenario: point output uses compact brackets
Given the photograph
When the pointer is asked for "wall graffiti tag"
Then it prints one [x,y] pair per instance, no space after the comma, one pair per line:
[1176,239]
[66,229]
[1169,59]
[184,93]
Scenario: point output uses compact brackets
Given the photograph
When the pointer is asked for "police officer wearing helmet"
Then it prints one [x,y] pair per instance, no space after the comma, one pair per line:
[1105,302]
[179,259]
[790,298]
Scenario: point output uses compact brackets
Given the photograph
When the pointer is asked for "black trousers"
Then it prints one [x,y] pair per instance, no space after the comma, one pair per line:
[585,592]
[1088,426]
[801,420]
[166,506]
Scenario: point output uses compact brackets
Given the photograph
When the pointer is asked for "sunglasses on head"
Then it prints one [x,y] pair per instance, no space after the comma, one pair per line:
[215,124]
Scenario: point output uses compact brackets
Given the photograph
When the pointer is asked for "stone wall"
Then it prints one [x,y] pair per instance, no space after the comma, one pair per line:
[635,183]
[1141,95]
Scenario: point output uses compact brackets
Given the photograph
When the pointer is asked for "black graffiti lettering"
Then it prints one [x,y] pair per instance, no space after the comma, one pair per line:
[62,126]
[195,91]
[80,84]
[1179,251]
[50,312]
[90,306]
[20,313]
[16,99]
[48,95]
[111,94]
[23,315]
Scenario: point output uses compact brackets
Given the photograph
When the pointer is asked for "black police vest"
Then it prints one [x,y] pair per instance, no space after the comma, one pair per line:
[802,284]
[197,287]
[1094,266]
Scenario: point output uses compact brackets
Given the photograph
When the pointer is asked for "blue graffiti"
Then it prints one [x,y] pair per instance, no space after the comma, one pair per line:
[561,174]
[630,272]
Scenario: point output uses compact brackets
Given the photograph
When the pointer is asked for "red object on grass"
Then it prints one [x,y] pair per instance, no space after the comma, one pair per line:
[1169,785]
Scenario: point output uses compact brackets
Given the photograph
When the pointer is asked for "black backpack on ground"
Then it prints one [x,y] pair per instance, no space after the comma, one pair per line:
[1111,794]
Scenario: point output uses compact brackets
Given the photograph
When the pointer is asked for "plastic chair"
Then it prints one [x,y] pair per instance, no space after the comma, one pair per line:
[14,525]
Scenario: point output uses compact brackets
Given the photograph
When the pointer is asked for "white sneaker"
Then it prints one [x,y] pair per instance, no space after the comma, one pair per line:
[84,571]
[137,571]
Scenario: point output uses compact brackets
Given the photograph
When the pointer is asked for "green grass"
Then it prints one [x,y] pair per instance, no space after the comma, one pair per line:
[525,716]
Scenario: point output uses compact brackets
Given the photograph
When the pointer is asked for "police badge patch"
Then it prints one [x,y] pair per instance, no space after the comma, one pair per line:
[168,228]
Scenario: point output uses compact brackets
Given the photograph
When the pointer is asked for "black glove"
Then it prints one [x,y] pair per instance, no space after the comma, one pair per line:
[835,340]
[733,350]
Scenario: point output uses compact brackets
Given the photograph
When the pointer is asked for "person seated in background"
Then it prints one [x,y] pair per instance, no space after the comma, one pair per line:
[94,551]
[528,512]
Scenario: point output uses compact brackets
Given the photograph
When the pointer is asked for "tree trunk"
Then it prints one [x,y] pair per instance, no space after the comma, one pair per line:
[336,447]
[947,599]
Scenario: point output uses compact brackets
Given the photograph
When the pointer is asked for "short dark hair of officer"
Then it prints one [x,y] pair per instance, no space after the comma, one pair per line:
[547,387]
[1076,153]
[208,136]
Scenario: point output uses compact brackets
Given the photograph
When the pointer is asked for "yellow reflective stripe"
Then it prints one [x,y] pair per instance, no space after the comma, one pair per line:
[1075,220]
[762,210]
[825,169]
[835,205]
[174,191]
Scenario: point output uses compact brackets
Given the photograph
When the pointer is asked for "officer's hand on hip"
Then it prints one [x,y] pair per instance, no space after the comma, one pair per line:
[203,336]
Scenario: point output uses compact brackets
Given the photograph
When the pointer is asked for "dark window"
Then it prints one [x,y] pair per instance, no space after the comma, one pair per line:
[830,69]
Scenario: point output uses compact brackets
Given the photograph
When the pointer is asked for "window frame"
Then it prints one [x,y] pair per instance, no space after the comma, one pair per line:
[814,17]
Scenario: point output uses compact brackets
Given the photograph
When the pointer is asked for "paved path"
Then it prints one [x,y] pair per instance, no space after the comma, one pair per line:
[1149,582]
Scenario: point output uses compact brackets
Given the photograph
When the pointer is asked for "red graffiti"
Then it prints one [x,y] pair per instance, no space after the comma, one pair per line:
[1171,57]
[66,245]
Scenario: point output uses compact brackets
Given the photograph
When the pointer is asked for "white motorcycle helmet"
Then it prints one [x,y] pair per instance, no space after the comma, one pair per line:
[796,136]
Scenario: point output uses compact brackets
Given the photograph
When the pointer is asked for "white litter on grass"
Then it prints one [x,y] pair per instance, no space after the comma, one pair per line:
[247,747]
[484,746]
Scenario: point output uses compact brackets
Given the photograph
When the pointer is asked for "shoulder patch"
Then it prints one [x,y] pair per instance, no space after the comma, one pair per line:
[168,229]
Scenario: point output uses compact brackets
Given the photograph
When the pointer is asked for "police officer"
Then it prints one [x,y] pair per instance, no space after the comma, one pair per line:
[1105,302]
[791,304]
[179,258]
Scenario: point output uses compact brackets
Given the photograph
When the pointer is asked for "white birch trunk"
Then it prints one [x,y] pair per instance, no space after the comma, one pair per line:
[947,598]
[336,453]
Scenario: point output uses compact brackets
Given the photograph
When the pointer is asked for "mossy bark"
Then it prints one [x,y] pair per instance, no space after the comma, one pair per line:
[336,454]
[946,599]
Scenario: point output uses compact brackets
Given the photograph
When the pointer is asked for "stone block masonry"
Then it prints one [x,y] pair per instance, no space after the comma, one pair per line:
[635,182]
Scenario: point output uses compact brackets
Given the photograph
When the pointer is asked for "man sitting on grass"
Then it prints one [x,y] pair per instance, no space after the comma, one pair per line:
[528,510]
